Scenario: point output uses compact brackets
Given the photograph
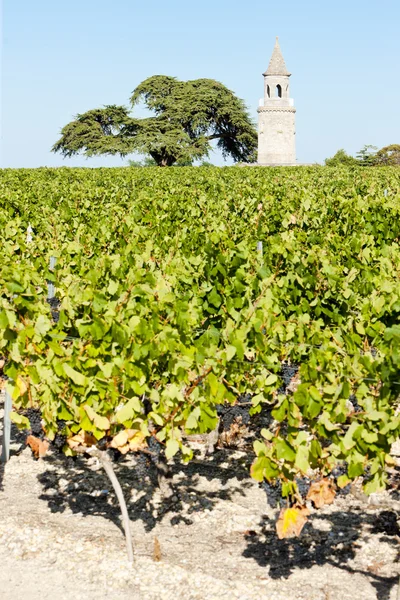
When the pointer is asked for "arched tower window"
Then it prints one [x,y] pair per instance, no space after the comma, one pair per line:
[278,91]
[268,92]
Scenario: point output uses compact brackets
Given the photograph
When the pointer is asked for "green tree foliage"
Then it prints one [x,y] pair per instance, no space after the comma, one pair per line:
[341,158]
[96,132]
[388,156]
[187,117]
[366,156]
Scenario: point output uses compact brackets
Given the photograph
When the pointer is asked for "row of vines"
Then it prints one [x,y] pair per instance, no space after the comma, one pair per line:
[165,310]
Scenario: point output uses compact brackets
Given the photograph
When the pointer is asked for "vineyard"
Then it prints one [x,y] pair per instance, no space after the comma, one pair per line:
[181,292]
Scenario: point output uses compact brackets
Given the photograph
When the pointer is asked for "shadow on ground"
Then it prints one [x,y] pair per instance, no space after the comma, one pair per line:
[77,484]
[138,478]
[336,546]
[72,483]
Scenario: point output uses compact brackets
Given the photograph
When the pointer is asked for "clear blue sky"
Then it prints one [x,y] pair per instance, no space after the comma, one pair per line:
[61,57]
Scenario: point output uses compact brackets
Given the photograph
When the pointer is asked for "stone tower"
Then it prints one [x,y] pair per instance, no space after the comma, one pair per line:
[276,115]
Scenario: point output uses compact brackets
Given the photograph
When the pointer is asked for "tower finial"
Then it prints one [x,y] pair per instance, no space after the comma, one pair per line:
[277,63]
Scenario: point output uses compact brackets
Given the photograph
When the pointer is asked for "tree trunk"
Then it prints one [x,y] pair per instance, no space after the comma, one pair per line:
[163,160]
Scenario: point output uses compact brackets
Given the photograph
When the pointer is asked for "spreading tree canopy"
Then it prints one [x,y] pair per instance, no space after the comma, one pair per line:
[389,155]
[187,116]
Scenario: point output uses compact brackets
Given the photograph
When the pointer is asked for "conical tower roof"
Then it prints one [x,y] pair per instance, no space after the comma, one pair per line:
[277,64]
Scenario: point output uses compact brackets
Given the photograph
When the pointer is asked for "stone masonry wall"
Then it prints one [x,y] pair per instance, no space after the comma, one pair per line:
[276,135]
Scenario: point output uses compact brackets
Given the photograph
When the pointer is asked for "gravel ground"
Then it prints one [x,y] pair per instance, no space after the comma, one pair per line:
[60,534]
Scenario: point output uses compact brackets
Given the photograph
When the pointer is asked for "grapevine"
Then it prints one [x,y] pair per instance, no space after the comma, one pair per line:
[166,314]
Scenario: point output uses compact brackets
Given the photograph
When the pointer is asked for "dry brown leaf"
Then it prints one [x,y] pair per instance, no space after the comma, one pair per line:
[120,439]
[376,567]
[291,521]
[321,492]
[156,550]
[39,447]
[235,436]
[294,383]
[83,438]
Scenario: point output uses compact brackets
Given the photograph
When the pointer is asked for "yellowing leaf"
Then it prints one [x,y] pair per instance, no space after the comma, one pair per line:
[156,418]
[257,468]
[137,441]
[20,421]
[271,379]
[193,418]
[22,385]
[124,449]
[230,352]
[259,448]
[302,459]
[172,447]
[100,422]
[127,412]
[266,434]
[360,328]
[291,521]
[342,481]
[314,393]
[112,287]
[76,377]
[133,322]
[120,439]
[42,325]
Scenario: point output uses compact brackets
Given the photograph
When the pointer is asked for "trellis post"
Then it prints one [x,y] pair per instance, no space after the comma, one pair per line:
[5,446]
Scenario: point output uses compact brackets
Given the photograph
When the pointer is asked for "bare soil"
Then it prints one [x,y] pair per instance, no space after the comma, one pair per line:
[61,535]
